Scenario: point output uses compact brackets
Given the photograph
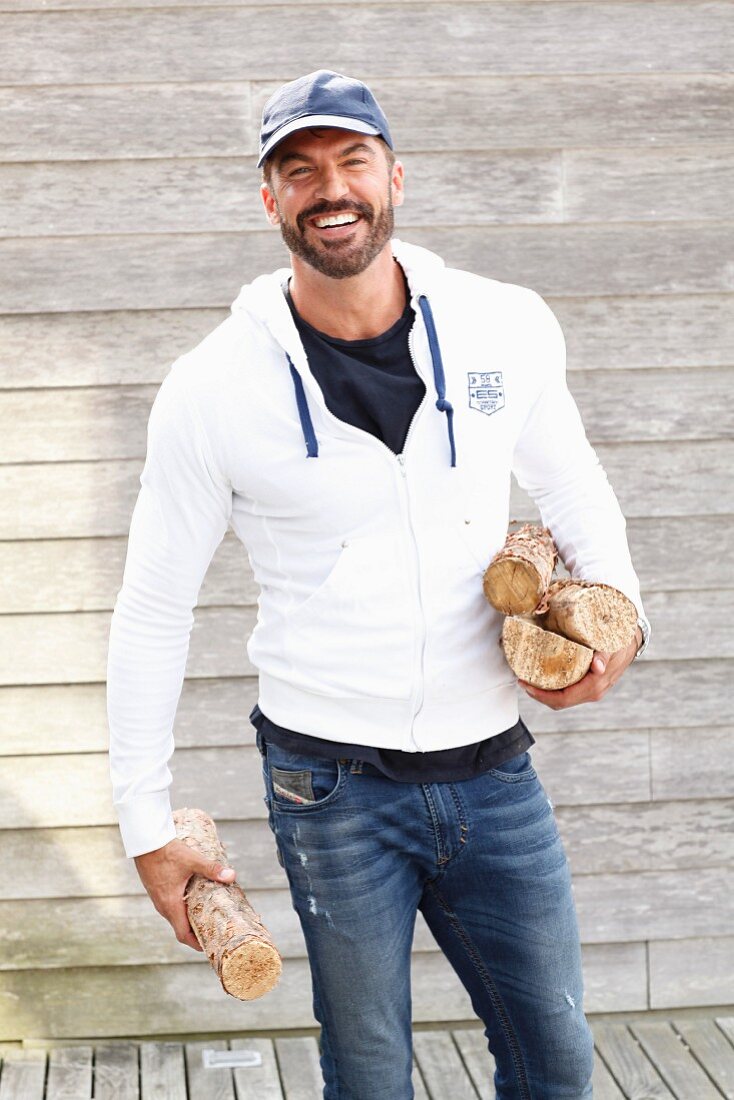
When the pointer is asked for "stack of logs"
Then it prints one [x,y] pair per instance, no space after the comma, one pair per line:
[552,627]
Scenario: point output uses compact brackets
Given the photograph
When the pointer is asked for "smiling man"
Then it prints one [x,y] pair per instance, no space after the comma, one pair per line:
[338,238]
[356,420]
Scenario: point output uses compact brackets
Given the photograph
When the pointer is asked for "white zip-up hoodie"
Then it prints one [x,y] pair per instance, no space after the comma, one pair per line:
[372,626]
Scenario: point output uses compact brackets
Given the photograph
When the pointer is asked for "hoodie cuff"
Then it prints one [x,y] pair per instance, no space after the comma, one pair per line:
[146,823]
[644,626]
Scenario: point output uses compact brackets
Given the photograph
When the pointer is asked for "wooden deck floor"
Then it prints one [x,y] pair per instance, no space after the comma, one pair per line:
[655,1059]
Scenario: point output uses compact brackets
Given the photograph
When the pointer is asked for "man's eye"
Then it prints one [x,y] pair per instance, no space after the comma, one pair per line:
[356,160]
[296,171]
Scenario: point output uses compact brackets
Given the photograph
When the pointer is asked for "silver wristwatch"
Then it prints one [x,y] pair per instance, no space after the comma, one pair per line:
[645,628]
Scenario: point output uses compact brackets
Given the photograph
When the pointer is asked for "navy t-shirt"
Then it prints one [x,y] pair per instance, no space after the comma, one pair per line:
[373,385]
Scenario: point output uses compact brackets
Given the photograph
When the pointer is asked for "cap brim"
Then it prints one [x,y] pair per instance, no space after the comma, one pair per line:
[339,122]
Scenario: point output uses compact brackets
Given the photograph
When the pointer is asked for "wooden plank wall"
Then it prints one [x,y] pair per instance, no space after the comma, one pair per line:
[584,148]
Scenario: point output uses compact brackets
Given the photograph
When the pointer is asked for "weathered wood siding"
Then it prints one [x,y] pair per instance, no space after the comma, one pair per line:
[581,147]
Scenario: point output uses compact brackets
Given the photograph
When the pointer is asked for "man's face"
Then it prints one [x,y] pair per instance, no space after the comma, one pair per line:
[320,174]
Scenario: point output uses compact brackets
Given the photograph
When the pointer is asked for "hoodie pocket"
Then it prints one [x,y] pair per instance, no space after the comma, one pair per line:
[355,634]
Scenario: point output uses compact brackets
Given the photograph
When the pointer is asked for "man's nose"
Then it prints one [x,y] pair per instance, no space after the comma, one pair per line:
[331,184]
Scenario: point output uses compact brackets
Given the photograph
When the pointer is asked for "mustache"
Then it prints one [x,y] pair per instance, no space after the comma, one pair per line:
[322,209]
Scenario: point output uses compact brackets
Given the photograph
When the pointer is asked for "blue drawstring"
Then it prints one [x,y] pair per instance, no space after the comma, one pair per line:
[438,375]
[312,447]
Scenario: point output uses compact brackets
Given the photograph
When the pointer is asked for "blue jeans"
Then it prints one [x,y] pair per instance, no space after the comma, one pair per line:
[483,861]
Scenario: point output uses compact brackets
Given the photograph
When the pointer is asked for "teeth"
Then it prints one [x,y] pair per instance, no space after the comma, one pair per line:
[336,219]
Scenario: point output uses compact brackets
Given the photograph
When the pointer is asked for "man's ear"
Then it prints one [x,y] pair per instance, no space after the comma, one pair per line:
[397,183]
[271,210]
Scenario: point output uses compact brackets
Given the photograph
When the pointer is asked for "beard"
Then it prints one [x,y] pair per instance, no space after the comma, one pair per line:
[339,259]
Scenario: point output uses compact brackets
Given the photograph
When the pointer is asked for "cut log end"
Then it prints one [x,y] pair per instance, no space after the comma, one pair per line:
[513,586]
[541,657]
[518,575]
[251,970]
[594,615]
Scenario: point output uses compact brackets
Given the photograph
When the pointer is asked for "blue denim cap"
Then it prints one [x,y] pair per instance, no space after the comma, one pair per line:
[322,98]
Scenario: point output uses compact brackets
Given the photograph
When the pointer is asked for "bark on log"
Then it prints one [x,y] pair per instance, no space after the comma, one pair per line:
[541,657]
[518,575]
[236,942]
[592,614]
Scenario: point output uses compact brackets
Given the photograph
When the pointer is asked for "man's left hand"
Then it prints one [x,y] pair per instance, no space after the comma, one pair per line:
[604,671]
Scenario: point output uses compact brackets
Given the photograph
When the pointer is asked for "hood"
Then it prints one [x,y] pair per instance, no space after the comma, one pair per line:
[264,300]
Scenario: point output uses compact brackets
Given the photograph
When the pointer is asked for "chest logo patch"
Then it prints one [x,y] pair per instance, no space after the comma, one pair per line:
[486,391]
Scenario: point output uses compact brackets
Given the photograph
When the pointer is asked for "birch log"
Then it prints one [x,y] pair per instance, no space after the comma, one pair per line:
[237,943]
[518,575]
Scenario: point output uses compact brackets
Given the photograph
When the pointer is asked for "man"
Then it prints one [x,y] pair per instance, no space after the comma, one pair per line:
[355,420]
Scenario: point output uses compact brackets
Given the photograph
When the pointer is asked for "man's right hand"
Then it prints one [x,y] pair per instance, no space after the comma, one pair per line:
[165,873]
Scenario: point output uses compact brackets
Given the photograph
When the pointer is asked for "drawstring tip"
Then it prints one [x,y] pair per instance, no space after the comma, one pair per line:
[312,446]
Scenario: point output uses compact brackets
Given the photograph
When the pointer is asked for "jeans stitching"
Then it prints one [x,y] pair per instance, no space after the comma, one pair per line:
[457,802]
[494,995]
[523,776]
[441,855]
[461,815]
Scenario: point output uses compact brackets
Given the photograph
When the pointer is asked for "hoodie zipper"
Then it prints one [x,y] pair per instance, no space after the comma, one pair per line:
[418,702]
[400,458]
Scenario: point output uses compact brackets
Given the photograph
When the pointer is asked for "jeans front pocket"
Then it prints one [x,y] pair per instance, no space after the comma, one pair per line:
[518,769]
[302,783]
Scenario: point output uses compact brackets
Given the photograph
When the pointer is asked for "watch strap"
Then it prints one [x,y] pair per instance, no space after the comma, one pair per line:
[644,626]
